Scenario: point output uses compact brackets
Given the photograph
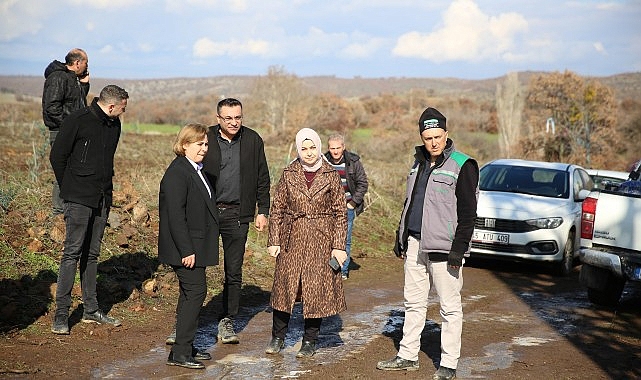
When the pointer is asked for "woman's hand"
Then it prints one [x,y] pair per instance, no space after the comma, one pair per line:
[189,261]
[273,250]
[340,255]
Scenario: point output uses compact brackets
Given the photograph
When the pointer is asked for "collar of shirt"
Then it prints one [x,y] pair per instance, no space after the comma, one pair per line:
[196,166]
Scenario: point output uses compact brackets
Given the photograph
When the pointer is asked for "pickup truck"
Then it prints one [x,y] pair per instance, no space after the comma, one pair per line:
[610,243]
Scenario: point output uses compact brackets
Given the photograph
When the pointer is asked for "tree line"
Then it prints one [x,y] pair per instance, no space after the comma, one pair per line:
[558,116]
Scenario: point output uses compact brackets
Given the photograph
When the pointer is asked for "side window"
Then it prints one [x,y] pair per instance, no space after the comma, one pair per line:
[577,183]
[581,181]
[588,183]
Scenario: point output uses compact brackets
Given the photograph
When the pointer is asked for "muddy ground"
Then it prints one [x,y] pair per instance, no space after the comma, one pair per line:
[520,323]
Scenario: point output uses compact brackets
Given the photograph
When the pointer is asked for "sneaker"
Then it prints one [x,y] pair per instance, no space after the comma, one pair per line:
[226,333]
[171,338]
[275,345]
[444,373]
[307,349]
[99,317]
[345,277]
[60,325]
[398,364]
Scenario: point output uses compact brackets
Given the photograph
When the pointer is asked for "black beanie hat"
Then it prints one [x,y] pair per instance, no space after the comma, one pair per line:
[431,118]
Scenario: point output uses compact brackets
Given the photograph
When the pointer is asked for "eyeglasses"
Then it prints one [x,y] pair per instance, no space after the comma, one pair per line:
[229,119]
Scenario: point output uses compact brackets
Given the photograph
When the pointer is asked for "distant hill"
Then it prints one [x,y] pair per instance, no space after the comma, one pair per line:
[627,85]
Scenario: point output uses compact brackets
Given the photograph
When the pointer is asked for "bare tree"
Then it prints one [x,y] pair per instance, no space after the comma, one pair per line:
[509,109]
[278,101]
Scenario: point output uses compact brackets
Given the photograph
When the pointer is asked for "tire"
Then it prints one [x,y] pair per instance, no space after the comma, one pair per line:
[610,294]
[564,268]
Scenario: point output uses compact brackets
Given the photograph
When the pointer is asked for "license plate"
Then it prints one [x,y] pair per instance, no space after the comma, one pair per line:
[490,237]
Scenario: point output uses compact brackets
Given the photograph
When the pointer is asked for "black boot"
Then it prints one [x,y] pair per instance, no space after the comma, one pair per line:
[275,345]
[307,350]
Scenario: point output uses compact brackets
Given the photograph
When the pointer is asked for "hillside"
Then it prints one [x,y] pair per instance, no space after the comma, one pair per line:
[627,85]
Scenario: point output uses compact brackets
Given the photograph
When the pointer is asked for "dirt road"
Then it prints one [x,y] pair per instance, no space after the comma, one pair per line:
[520,323]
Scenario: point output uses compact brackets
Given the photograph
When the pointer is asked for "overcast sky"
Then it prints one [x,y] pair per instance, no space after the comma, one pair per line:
[471,39]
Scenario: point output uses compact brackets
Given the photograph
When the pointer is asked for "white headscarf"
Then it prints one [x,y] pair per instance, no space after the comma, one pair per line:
[309,134]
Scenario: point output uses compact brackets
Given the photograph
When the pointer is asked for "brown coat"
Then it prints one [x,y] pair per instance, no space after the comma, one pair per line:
[307,224]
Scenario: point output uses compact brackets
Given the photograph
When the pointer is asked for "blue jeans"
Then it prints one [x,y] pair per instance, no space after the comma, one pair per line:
[85,228]
[351,214]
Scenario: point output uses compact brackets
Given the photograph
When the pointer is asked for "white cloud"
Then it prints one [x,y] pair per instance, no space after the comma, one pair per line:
[173,6]
[106,4]
[364,49]
[146,48]
[598,46]
[106,49]
[466,33]
[21,17]
[205,47]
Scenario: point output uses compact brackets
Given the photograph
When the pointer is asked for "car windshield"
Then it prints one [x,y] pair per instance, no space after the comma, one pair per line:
[526,180]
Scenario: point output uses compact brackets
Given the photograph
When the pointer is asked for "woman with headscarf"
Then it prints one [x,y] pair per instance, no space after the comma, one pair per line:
[307,229]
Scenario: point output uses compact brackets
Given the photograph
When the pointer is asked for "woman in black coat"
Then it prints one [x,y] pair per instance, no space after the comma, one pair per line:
[188,237]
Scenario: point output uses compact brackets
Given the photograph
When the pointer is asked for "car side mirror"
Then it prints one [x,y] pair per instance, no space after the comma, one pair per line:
[582,195]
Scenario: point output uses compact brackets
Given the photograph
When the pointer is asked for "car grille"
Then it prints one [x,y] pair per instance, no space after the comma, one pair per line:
[505,225]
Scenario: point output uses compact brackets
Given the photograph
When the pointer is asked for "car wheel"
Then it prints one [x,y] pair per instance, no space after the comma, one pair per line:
[564,268]
[609,295]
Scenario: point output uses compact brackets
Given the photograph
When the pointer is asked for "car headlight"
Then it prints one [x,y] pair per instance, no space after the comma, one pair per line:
[547,223]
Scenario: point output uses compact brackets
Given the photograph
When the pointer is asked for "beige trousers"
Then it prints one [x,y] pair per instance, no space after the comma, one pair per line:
[420,273]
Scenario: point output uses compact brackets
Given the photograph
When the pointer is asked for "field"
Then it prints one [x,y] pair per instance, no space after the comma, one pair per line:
[132,284]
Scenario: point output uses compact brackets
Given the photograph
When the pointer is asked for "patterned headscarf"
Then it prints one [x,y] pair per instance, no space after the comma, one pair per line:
[309,134]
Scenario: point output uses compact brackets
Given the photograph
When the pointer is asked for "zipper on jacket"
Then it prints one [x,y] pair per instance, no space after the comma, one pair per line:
[85,151]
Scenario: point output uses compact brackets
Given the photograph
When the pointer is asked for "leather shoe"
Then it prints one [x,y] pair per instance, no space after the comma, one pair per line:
[184,361]
[99,317]
[308,349]
[275,345]
[60,325]
[201,355]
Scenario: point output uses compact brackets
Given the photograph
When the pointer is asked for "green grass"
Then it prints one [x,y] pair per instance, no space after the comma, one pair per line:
[161,129]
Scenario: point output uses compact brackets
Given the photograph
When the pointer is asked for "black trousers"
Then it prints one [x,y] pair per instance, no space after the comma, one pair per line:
[234,236]
[281,323]
[193,289]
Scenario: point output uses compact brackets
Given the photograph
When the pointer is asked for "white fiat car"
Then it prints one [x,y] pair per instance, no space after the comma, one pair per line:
[530,211]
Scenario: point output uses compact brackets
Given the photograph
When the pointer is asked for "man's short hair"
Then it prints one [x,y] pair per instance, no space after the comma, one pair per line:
[228,102]
[112,94]
[336,137]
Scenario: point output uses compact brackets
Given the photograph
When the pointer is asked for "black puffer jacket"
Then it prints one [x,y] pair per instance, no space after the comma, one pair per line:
[63,93]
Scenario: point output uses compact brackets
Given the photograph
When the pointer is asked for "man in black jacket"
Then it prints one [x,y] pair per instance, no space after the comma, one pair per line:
[236,164]
[354,181]
[65,91]
[83,162]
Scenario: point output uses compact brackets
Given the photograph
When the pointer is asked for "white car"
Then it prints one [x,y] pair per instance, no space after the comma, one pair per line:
[603,178]
[530,211]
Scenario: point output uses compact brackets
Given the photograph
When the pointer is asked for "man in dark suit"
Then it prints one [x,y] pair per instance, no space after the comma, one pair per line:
[188,237]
